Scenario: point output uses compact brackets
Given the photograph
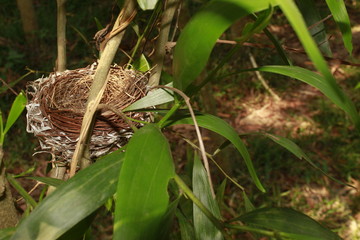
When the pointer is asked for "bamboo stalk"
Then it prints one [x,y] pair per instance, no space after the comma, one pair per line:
[160,52]
[99,83]
[61,36]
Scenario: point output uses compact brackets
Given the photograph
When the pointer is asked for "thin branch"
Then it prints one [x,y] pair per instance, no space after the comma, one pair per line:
[262,80]
[119,113]
[201,143]
[217,165]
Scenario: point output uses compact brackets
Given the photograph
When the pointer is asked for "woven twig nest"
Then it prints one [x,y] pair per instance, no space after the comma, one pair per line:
[57,104]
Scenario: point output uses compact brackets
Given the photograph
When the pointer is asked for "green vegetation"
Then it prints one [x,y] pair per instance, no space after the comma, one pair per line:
[255,160]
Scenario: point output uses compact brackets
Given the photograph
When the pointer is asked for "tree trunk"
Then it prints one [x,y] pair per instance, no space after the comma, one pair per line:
[30,27]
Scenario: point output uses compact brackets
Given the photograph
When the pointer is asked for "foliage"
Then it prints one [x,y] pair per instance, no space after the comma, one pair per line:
[141,179]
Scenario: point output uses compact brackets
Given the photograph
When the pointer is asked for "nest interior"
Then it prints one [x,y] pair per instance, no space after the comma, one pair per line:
[57,105]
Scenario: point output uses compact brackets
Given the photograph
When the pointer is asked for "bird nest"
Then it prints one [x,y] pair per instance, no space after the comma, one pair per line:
[57,105]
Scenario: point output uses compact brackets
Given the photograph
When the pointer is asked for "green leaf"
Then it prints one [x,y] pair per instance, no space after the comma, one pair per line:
[142,64]
[98,24]
[142,197]
[186,228]
[15,111]
[6,233]
[249,206]
[72,201]
[341,17]
[204,228]
[312,16]
[48,180]
[221,127]
[333,92]
[220,192]
[77,232]
[198,38]
[288,223]
[296,150]
[2,135]
[297,22]
[153,98]
[147,4]
[21,190]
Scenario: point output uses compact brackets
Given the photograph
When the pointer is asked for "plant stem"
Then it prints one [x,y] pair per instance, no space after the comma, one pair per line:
[22,191]
[262,80]
[61,36]
[273,234]
[174,108]
[201,142]
[99,83]
[170,8]
[217,223]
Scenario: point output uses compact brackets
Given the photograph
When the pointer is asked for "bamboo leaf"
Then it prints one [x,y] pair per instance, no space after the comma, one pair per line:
[312,16]
[142,64]
[21,190]
[186,228]
[153,98]
[288,223]
[332,91]
[147,4]
[249,206]
[15,111]
[142,197]
[296,150]
[204,228]
[221,127]
[72,201]
[48,180]
[292,13]
[199,36]
[341,17]
[6,233]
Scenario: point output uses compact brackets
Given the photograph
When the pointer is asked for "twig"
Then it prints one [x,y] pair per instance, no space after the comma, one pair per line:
[99,83]
[8,86]
[119,113]
[201,143]
[262,80]
[217,165]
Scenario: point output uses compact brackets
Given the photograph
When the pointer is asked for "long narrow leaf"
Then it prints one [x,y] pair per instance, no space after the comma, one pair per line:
[338,10]
[154,97]
[21,190]
[312,16]
[293,15]
[48,180]
[296,150]
[72,201]
[221,127]
[288,223]
[204,228]
[186,228]
[199,36]
[142,197]
[15,111]
[6,233]
[333,92]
